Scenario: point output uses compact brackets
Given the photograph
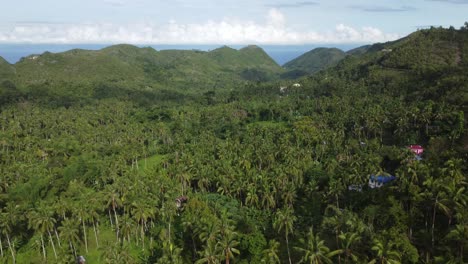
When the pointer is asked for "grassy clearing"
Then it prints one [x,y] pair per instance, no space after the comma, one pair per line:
[150,162]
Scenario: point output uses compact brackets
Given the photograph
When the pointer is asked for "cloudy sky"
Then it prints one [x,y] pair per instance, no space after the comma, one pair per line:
[222,21]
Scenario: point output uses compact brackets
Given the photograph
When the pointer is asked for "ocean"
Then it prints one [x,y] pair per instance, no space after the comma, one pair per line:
[280,53]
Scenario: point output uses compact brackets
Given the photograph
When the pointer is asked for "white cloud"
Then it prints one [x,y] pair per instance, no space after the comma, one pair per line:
[227,31]
[114,2]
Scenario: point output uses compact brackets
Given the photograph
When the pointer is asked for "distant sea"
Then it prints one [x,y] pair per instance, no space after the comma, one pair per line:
[280,53]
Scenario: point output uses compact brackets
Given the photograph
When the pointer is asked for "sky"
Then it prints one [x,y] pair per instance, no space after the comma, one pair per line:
[273,22]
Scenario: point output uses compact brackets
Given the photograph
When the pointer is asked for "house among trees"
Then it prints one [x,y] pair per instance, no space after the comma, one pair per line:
[355,187]
[180,201]
[377,181]
[417,150]
[80,260]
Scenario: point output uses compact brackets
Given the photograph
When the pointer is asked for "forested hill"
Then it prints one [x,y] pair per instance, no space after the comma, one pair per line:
[6,70]
[315,60]
[121,69]
[364,162]
[426,65]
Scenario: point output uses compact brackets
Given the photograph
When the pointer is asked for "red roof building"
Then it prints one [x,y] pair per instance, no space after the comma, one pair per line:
[416,149]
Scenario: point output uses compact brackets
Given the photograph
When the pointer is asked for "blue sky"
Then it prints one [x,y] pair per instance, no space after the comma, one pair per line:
[222,21]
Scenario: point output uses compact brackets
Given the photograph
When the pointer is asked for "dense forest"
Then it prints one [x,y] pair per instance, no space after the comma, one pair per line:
[126,169]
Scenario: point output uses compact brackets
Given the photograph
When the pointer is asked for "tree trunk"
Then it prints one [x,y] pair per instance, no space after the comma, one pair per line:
[95,233]
[1,247]
[43,247]
[110,218]
[57,236]
[11,249]
[227,256]
[136,233]
[287,246]
[433,224]
[72,248]
[169,232]
[52,242]
[116,221]
[85,236]
[143,235]
[461,252]
[337,244]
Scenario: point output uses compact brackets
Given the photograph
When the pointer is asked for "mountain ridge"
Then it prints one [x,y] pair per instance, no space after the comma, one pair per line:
[131,67]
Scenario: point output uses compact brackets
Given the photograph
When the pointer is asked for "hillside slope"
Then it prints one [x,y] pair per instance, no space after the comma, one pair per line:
[315,60]
[7,71]
[425,69]
[428,64]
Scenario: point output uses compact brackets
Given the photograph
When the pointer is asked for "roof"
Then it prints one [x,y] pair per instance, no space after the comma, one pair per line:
[417,149]
[382,178]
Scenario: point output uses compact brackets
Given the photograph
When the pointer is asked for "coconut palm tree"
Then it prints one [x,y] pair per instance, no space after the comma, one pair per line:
[141,213]
[81,210]
[284,221]
[314,250]
[270,254]
[348,240]
[117,253]
[126,227]
[228,243]
[211,254]
[69,231]
[460,235]
[385,254]
[42,221]
[8,217]
[113,201]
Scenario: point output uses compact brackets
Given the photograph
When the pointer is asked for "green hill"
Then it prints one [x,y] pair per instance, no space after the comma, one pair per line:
[424,69]
[124,68]
[8,91]
[427,64]
[7,71]
[315,60]
[251,62]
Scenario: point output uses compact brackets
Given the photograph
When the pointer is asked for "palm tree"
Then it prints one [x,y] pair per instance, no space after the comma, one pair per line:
[117,253]
[94,208]
[42,220]
[171,254]
[209,230]
[61,206]
[284,221]
[69,232]
[435,193]
[113,202]
[211,254]
[81,210]
[385,253]
[270,255]
[347,241]
[126,226]
[459,234]
[7,219]
[228,243]
[252,198]
[314,250]
[142,212]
